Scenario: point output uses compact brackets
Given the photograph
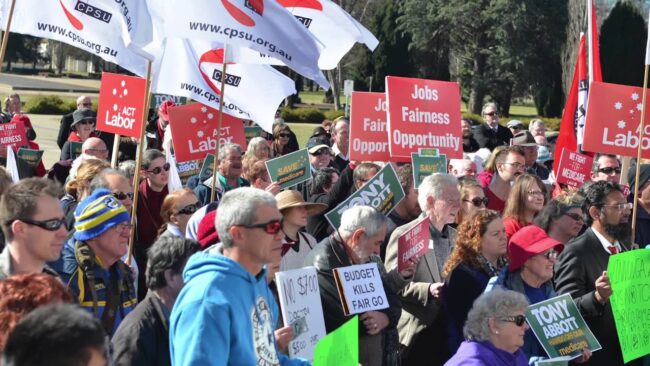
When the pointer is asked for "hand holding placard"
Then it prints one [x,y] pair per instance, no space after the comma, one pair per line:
[360,288]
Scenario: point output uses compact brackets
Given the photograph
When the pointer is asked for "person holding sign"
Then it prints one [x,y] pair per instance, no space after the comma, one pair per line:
[31,136]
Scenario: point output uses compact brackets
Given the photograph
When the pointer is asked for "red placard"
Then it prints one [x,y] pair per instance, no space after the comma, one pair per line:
[612,125]
[368,127]
[423,113]
[13,134]
[413,243]
[121,104]
[194,128]
[574,168]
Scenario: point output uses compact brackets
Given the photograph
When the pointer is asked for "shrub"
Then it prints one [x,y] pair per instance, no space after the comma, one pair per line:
[332,114]
[309,115]
[48,104]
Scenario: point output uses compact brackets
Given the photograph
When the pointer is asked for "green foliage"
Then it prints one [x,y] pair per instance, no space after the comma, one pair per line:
[622,37]
[49,104]
[310,115]
[474,118]
[332,114]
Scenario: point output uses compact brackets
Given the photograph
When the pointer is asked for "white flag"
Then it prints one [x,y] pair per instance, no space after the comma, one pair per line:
[174,183]
[193,69]
[261,25]
[95,27]
[12,167]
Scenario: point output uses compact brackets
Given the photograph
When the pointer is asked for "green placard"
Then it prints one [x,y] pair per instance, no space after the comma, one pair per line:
[32,157]
[427,165]
[207,167]
[291,169]
[341,347]
[560,328]
[186,169]
[253,131]
[76,148]
[428,151]
[158,99]
[382,192]
[629,274]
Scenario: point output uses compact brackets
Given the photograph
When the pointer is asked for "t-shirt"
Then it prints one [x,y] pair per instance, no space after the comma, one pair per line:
[494,203]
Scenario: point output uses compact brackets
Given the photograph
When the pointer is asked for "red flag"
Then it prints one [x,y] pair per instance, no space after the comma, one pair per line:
[596,73]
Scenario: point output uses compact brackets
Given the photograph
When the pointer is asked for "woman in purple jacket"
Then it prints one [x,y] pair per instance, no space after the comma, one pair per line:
[494,331]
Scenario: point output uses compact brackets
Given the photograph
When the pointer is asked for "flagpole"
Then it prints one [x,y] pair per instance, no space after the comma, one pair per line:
[638,154]
[5,36]
[138,164]
[116,147]
[591,41]
[219,120]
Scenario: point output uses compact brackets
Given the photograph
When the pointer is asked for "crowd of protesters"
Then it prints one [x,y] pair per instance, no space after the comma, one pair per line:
[197,286]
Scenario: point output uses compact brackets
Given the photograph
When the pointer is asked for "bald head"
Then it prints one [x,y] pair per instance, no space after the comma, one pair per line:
[84,102]
[96,147]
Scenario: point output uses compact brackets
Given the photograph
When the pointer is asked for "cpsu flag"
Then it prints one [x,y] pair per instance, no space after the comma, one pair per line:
[90,26]
[613,116]
[193,69]
[194,131]
[261,25]
[121,104]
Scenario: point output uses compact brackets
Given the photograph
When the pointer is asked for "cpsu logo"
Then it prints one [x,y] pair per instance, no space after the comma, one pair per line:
[86,9]
[216,57]
[307,4]
[256,6]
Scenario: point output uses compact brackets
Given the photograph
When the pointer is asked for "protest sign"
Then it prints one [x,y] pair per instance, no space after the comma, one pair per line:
[340,347]
[76,148]
[613,116]
[423,151]
[413,243]
[426,165]
[158,99]
[290,169]
[560,328]
[383,192]
[207,167]
[253,131]
[360,288]
[13,134]
[368,130]
[423,113]
[194,128]
[186,169]
[574,169]
[121,104]
[32,157]
[301,309]
[629,274]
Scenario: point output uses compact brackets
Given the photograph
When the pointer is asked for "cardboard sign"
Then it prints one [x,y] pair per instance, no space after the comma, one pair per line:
[187,169]
[560,328]
[121,104]
[423,113]
[253,131]
[360,288]
[630,279]
[613,116]
[76,148]
[158,99]
[413,243]
[426,165]
[383,192]
[194,127]
[291,169]
[341,347]
[32,157]
[207,168]
[574,168]
[368,127]
[12,134]
[301,309]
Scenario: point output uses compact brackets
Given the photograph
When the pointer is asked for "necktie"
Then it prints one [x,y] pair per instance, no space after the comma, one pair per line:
[612,249]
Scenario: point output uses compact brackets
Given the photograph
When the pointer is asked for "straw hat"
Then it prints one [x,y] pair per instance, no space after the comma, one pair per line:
[292,198]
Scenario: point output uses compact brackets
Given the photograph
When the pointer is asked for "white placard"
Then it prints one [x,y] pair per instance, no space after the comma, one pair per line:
[360,288]
[348,87]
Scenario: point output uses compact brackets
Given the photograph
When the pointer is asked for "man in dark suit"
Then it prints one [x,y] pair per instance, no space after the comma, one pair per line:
[581,269]
[491,134]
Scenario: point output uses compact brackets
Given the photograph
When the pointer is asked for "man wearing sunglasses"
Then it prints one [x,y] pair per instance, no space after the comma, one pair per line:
[606,167]
[226,313]
[228,174]
[491,134]
[33,225]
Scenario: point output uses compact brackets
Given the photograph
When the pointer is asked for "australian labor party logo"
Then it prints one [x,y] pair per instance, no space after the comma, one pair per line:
[121,104]
[86,9]
[307,4]
[211,66]
[242,14]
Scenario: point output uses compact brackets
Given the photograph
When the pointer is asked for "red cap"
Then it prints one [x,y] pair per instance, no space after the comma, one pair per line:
[207,234]
[22,118]
[164,109]
[528,242]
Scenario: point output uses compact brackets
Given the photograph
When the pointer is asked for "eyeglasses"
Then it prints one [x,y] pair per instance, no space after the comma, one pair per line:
[98,150]
[189,209]
[284,135]
[121,196]
[49,225]
[609,170]
[621,206]
[88,104]
[158,169]
[574,216]
[491,114]
[536,193]
[519,320]
[86,122]
[516,165]
[550,255]
[321,152]
[272,227]
[478,201]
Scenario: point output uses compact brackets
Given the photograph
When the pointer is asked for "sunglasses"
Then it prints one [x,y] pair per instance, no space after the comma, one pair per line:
[321,152]
[574,216]
[272,227]
[49,225]
[189,209]
[86,122]
[610,170]
[550,255]
[519,320]
[491,114]
[284,135]
[157,170]
[121,196]
[478,201]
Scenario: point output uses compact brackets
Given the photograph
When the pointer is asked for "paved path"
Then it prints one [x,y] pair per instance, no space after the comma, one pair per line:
[19,82]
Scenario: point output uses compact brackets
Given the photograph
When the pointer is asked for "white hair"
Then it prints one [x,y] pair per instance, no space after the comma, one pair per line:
[239,207]
[433,186]
[495,304]
[361,217]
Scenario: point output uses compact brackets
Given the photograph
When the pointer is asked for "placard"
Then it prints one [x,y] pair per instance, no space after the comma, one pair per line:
[426,165]
[423,113]
[158,99]
[253,131]
[31,157]
[340,347]
[574,169]
[194,128]
[75,147]
[413,243]
[207,168]
[187,169]
[424,151]
[13,134]
[368,127]
[121,104]
[383,192]
[630,278]
[360,288]
[290,169]
[560,328]
[301,309]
